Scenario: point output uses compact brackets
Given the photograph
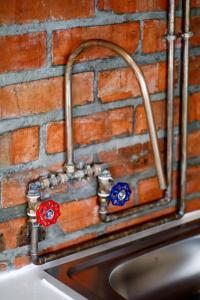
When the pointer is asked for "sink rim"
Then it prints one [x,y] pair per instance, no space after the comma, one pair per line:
[75,259]
[158,261]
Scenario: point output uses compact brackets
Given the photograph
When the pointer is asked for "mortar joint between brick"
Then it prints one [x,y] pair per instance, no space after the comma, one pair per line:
[42,142]
[96,7]
[95,87]
[101,18]
[49,48]
[99,64]
[79,111]
[138,51]
[135,190]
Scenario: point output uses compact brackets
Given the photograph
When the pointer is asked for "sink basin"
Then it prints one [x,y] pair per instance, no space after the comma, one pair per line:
[163,263]
[171,272]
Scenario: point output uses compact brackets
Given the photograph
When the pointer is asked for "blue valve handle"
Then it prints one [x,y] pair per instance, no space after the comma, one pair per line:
[120,194]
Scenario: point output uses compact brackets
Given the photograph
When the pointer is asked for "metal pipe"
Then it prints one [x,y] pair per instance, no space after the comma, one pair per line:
[184,127]
[34,242]
[106,217]
[157,221]
[147,103]
[105,182]
[170,97]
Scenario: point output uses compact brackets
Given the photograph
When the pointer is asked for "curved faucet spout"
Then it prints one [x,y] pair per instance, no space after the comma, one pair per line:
[144,91]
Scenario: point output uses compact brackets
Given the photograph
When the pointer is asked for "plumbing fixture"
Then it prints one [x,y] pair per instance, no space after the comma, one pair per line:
[120,194]
[70,166]
[41,213]
[47,213]
[171,37]
[184,127]
[105,180]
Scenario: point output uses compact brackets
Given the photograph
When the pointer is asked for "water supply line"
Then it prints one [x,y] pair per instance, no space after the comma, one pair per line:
[184,121]
[171,37]
[46,213]
[105,179]
[70,167]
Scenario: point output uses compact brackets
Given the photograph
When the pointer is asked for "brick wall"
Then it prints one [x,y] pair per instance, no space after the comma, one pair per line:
[109,120]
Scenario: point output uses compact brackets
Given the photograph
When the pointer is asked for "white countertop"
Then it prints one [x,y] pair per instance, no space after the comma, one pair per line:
[32,283]
[29,283]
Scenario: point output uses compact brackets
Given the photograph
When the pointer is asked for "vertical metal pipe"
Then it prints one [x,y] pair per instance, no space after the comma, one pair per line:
[68,111]
[34,242]
[186,35]
[170,97]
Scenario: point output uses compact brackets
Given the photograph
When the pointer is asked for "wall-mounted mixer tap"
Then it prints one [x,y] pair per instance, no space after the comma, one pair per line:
[46,213]
[119,194]
[70,166]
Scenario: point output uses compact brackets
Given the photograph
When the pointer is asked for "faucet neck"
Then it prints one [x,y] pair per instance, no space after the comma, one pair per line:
[145,94]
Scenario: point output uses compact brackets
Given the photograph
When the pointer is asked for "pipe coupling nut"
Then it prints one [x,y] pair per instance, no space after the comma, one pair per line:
[187,35]
[170,37]
[70,169]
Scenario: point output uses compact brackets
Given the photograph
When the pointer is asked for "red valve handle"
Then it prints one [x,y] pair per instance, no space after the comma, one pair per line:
[47,213]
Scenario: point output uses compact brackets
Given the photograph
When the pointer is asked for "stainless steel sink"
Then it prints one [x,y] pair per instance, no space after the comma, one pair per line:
[171,272]
[163,263]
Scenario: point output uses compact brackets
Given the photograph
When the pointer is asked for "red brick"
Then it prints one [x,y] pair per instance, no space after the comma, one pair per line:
[125,35]
[195,3]
[154,35]
[13,191]
[140,220]
[55,137]
[27,51]
[25,145]
[10,231]
[67,244]
[14,187]
[194,70]
[159,110]
[133,6]
[21,261]
[193,175]
[192,204]
[194,144]
[96,128]
[195,28]
[20,11]
[78,214]
[91,129]
[148,190]
[121,83]
[5,150]
[120,121]
[44,95]
[19,146]
[194,107]
[130,160]
[193,149]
